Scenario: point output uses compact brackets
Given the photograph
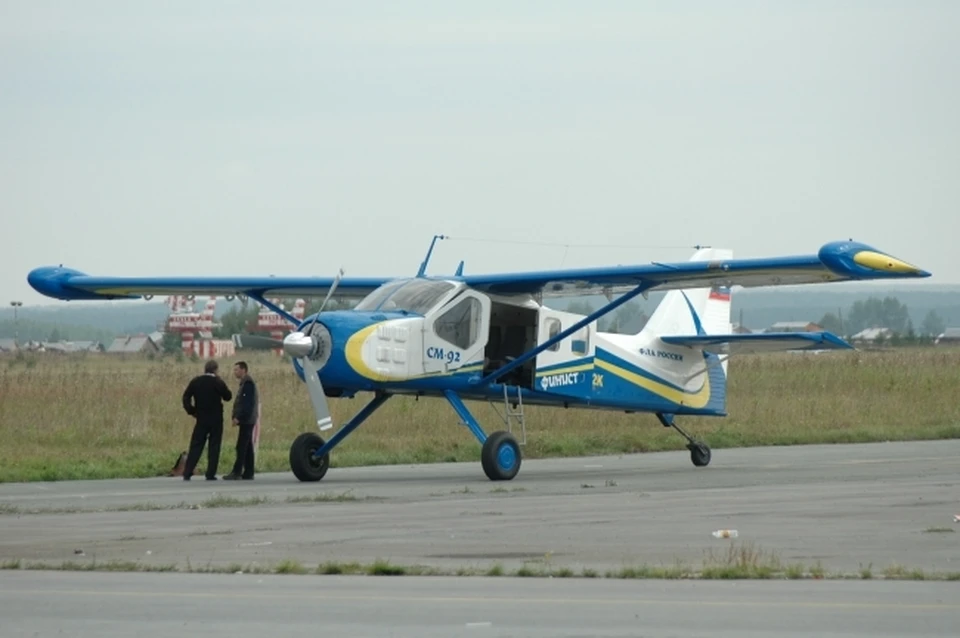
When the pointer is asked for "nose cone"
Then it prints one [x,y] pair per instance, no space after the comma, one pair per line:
[313,341]
[297,344]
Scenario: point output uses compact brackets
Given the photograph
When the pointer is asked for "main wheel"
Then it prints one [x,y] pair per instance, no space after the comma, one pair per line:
[699,454]
[305,467]
[500,456]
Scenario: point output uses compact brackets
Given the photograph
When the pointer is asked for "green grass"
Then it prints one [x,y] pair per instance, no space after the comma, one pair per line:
[97,416]
[738,562]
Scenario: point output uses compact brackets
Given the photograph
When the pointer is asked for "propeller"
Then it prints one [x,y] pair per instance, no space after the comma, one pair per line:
[312,349]
[311,346]
[256,342]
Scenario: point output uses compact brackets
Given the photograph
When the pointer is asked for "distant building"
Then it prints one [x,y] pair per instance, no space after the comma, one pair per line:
[137,344]
[56,347]
[9,345]
[86,346]
[950,335]
[871,335]
[794,326]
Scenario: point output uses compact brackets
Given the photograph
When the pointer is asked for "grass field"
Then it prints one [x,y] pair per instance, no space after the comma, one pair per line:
[95,416]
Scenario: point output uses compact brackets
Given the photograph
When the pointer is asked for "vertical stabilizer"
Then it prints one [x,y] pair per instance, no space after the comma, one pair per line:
[694,311]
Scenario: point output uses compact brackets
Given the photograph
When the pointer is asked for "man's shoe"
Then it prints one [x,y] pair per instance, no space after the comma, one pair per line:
[247,478]
[231,477]
[211,478]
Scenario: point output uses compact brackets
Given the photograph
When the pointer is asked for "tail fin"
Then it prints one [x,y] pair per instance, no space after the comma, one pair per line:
[683,375]
[695,310]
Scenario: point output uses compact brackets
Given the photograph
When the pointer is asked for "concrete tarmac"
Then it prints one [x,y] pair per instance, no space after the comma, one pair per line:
[844,506]
[112,605]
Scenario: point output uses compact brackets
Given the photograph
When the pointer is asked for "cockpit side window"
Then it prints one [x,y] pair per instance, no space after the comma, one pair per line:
[460,324]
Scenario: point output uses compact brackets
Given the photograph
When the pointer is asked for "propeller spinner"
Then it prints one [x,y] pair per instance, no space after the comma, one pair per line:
[311,347]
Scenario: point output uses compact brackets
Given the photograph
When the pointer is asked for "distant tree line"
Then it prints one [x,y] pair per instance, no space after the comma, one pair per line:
[887,313]
[32,330]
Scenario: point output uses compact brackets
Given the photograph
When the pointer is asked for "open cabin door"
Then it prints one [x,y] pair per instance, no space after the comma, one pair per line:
[456,334]
[565,367]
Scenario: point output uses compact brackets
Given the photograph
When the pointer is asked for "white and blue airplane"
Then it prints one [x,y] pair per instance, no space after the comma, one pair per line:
[489,337]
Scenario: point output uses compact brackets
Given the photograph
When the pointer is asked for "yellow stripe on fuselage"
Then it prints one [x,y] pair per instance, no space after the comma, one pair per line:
[698,399]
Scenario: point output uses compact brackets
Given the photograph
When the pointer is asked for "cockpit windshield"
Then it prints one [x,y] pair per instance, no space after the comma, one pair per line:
[374,299]
[416,296]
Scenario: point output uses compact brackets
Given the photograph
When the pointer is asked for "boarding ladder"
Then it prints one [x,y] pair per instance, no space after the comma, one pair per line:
[514,411]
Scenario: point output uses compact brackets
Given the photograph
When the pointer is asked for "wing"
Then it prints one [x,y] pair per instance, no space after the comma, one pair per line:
[69,284]
[760,342]
[836,261]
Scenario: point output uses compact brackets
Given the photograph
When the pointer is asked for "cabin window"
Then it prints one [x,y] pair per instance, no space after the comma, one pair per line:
[581,344]
[460,325]
[553,329]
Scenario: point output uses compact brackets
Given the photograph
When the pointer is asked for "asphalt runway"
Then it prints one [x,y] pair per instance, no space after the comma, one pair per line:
[105,605]
[844,506]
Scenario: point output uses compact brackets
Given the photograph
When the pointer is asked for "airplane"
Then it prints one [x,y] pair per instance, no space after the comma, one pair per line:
[490,337]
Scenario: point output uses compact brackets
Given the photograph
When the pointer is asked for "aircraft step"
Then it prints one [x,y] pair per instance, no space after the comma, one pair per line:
[514,414]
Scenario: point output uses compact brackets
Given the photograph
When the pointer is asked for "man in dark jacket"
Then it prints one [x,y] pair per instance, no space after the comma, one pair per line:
[203,399]
[245,418]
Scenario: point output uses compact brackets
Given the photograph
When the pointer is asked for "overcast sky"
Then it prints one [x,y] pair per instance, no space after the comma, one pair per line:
[295,137]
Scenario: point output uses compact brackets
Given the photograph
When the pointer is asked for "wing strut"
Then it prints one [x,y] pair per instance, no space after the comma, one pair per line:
[519,361]
[277,309]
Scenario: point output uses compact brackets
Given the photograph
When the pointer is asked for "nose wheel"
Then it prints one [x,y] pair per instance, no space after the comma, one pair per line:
[304,464]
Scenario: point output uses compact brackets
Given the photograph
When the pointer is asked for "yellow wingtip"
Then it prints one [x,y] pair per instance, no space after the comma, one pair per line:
[879,261]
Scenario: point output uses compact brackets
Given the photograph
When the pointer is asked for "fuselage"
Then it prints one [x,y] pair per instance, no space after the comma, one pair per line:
[425,337]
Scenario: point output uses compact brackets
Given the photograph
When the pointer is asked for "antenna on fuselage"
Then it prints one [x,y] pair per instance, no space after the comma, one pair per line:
[426,260]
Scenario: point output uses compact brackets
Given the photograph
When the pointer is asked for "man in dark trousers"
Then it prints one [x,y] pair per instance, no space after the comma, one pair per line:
[203,399]
[245,418]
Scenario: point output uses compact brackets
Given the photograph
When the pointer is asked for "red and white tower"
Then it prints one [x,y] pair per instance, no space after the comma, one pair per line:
[277,325]
[196,328]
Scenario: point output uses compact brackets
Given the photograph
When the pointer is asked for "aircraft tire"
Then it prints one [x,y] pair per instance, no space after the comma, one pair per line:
[304,466]
[699,454]
[500,456]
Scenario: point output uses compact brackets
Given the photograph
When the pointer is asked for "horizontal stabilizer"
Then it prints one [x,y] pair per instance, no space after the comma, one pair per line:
[760,342]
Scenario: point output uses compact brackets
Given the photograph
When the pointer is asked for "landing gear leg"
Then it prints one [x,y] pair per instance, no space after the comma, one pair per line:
[699,451]
[500,456]
[310,454]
